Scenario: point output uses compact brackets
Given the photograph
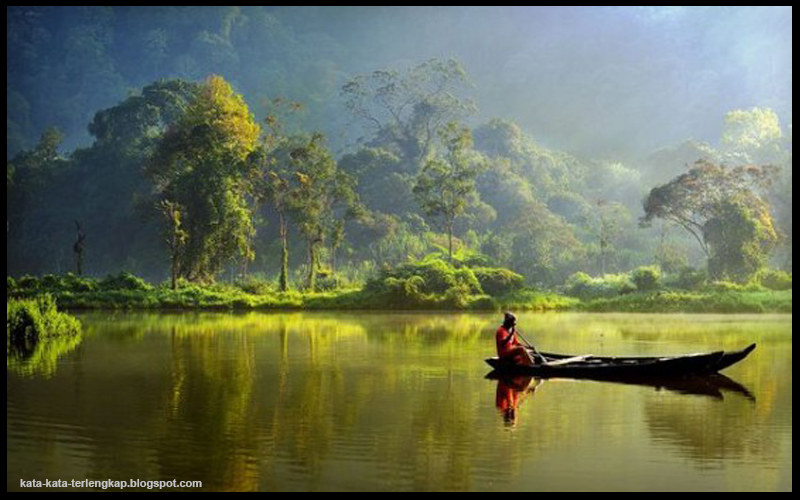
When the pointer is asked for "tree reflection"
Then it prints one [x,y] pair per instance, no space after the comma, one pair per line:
[359,401]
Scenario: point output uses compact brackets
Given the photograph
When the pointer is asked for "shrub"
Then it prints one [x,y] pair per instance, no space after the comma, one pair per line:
[330,282]
[774,279]
[467,282]
[31,319]
[456,297]
[584,286]
[646,278]
[254,286]
[438,276]
[124,281]
[498,281]
[688,279]
[399,293]
[28,283]
[72,283]
[728,286]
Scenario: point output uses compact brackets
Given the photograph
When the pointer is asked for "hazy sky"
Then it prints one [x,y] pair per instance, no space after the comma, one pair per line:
[607,81]
[600,79]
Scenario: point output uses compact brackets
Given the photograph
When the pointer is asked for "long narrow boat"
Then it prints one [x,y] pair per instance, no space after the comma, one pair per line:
[617,368]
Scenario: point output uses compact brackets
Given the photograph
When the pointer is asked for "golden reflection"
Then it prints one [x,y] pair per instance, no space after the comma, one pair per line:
[390,401]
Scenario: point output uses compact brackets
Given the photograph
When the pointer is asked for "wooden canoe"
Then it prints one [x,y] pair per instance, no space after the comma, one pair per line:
[610,368]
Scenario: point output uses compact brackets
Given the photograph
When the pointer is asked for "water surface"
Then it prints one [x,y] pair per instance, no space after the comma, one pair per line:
[348,401]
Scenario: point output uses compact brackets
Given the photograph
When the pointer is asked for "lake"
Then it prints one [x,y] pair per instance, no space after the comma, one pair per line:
[376,401]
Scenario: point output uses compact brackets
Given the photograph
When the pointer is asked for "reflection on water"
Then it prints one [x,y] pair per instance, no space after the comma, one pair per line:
[38,357]
[397,401]
[511,391]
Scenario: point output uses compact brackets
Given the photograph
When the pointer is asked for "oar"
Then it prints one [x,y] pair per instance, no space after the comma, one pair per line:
[530,346]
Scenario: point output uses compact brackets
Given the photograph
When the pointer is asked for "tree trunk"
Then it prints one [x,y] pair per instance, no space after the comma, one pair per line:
[312,264]
[284,279]
[79,247]
[174,271]
[450,239]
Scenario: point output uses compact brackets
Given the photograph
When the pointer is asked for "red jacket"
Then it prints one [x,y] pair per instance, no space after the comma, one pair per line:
[504,344]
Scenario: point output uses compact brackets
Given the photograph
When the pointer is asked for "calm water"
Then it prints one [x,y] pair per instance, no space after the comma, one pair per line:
[394,402]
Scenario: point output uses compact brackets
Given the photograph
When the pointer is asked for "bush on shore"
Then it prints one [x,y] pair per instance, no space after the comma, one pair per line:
[28,320]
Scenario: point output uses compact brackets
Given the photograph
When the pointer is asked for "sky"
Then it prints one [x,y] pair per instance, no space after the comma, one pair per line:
[609,82]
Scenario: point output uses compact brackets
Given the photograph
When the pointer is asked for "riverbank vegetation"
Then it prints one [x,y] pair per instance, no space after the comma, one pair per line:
[37,318]
[428,285]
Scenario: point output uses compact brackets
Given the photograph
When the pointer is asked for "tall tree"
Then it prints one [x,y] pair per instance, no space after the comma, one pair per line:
[320,195]
[406,110]
[273,184]
[606,221]
[175,237]
[700,200]
[446,185]
[79,247]
[690,199]
[202,163]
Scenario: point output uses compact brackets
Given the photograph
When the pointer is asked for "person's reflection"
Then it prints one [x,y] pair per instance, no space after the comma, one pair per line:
[511,391]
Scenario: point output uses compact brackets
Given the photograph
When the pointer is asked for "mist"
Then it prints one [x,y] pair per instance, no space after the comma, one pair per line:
[599,81]
[588,104]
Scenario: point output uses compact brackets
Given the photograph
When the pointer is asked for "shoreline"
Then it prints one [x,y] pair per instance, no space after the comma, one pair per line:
[660,302]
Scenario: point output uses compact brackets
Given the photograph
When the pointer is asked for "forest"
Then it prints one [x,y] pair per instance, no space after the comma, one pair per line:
[370,158]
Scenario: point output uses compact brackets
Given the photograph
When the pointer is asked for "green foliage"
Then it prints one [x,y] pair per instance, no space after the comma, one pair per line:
[28,320]
[703,194]
[498,281]
[646,278]
[728,286]
[740,238]
[327,282]
[102,186]
[406,110]
[695,302]
[687,279]
[37,335]
[255,286]
[445,186]
[539,212]
[319,196]
[52,283]
[752,134]
[201,165]
[584,286]
[774,279]
[124,281]
[394,291]
[528,299]
[435,277]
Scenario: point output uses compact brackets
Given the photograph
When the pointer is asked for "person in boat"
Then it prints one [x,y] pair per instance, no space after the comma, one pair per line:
[508,345]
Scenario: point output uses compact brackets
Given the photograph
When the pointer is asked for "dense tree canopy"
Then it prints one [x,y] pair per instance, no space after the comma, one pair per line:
[185,172]
[201,164]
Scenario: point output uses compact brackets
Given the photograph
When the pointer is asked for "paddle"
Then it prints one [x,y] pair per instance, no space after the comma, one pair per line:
[539,357]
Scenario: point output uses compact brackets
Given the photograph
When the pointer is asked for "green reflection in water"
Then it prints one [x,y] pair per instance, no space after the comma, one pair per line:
[39,357]
[398,401]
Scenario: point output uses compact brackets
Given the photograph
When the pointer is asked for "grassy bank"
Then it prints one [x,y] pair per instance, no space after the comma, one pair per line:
[34,319]
[228,297]
[386,293]
[695,302]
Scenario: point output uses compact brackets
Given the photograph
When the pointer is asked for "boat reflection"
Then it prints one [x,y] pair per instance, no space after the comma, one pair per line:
[512,390]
